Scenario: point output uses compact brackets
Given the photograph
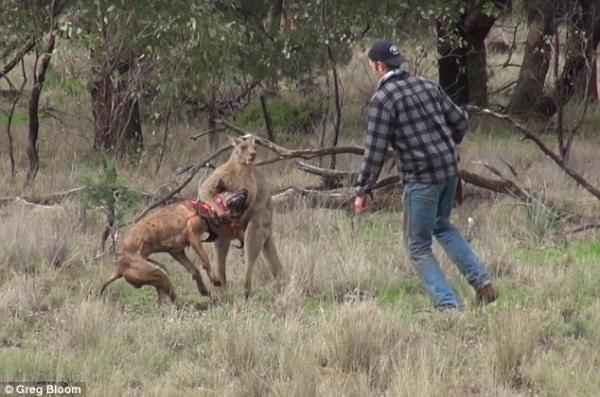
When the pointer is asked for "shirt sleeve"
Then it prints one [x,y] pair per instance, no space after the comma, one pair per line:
[456,117]
[379,123]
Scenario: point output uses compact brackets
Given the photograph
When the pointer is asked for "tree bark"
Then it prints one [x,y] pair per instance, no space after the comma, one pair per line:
[530,85]
[462,64]
[579,72]
[39,76]
[115,107]
[452,64]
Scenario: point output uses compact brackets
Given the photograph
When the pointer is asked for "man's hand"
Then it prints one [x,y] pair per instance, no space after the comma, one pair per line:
[360,205]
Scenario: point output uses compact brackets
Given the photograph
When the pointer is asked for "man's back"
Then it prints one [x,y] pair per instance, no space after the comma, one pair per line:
[425,126]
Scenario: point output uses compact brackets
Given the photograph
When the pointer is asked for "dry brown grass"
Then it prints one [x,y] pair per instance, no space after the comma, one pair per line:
[352,321]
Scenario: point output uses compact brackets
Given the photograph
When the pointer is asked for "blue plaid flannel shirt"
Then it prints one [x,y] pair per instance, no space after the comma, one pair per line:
[418,119]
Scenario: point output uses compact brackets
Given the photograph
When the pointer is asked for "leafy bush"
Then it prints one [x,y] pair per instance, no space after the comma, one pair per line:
[104,188]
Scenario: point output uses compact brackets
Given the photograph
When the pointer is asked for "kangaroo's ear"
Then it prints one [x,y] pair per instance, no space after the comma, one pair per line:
[234,141]
[252,140]
[220,186]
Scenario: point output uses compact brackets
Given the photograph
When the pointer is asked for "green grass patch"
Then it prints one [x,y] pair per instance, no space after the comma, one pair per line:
[380,226]
[136,300]
[577,253]
[18,119]
[400,291]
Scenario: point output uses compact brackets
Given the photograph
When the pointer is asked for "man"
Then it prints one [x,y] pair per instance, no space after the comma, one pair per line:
[417,118]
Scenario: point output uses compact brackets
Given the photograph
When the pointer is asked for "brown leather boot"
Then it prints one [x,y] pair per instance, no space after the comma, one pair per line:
[486,294]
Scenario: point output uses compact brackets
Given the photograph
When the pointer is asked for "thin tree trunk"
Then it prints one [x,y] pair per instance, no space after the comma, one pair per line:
[101,92]
[11,149]
[267,117]
[338,105]
[163,147]
[39,77]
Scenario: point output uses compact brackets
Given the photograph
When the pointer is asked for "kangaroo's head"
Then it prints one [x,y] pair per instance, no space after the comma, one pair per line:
[244,150]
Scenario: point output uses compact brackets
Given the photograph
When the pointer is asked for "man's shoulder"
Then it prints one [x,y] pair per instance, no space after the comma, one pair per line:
[423,82]
[393,89]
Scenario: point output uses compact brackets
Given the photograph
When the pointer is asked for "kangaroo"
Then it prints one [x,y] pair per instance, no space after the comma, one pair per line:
[238,173]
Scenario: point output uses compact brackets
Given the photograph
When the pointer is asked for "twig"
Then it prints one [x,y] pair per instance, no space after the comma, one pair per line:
[207,132]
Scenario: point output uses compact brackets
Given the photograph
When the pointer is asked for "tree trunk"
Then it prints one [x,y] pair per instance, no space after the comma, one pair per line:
[101,91]
[463,58]
[530,85]
[594,94]
[275,17]
[116,110]
[452,65]
[579,72]
[39,76]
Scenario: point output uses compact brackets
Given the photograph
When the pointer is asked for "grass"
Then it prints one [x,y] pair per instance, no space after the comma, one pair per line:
[18,119]
[353,319]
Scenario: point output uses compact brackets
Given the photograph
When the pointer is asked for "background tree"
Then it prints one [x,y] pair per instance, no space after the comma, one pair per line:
[462,27]
[541,23]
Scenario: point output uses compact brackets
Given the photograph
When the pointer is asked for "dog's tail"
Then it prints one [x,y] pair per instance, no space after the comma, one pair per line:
[115,276]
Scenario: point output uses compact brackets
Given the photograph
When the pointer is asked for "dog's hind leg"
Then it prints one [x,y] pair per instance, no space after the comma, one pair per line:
[143,272]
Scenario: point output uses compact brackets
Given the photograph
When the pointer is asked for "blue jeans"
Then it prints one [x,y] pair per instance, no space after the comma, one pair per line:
[427,209]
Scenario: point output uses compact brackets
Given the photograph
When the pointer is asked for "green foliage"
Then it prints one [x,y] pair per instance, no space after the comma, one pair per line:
[287,116]
[541,219]
[104,188]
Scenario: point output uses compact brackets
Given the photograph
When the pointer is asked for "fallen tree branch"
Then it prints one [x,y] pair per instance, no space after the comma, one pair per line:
[504,186]
[331,199]
[50,199]
[542,146]
[56,198]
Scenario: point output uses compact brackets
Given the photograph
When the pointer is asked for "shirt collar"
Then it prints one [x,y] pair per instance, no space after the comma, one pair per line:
[395,72]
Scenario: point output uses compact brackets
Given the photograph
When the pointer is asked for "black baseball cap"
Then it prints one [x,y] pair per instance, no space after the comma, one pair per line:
[387,52]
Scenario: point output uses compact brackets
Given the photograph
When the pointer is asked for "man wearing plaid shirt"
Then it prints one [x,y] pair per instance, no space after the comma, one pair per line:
[420,122]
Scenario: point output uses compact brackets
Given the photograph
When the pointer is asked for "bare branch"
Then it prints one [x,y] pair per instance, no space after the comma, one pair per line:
[27,47]
[206,133]
[192,173]
[286,154]
[545,149]
[49,199]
